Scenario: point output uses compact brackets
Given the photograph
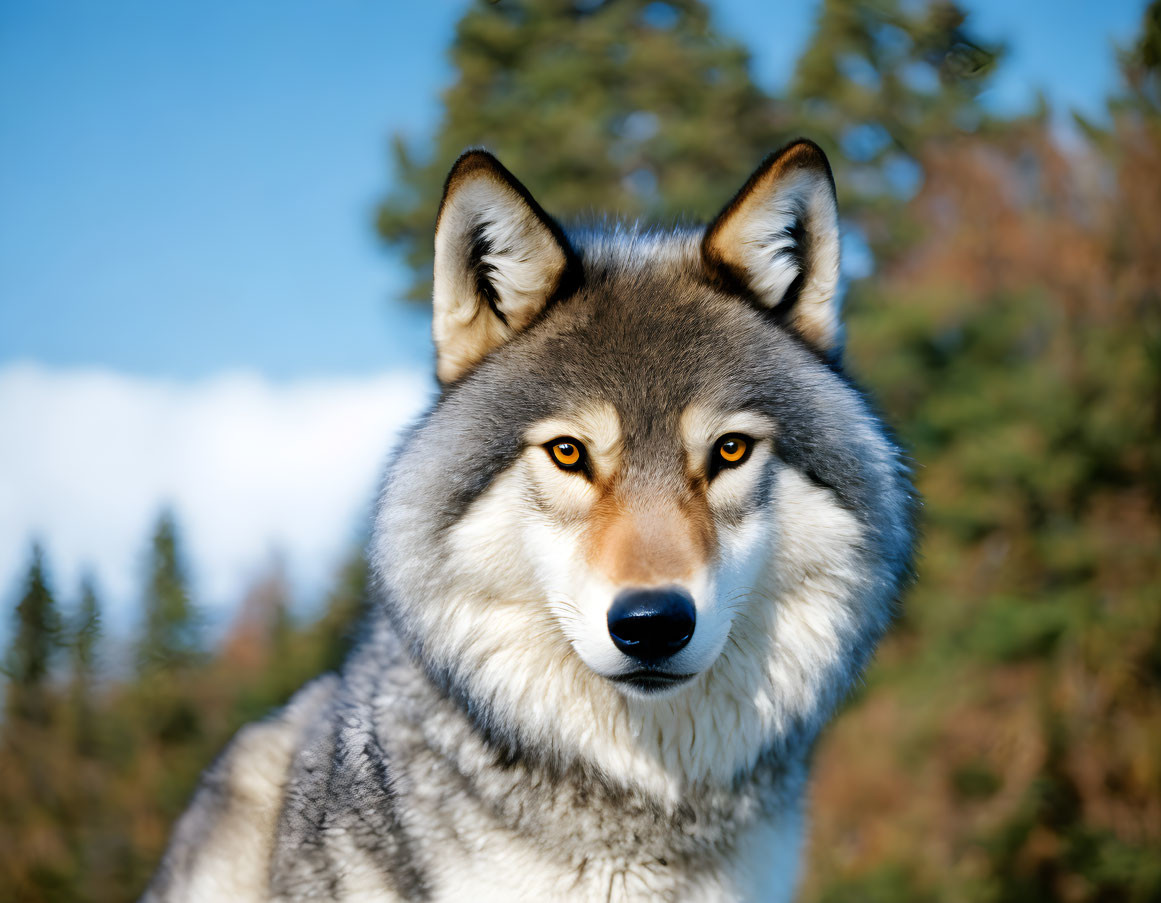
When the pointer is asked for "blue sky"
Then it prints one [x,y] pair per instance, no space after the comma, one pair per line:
[189,188]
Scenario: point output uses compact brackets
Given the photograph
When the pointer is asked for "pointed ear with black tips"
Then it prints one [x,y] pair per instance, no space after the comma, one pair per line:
[499,259]
[778,241]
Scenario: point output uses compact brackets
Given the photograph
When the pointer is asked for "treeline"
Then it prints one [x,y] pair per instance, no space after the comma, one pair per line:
[103,737]
[1007,747]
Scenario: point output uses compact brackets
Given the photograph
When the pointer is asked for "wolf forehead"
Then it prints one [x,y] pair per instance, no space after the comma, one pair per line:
[645,331]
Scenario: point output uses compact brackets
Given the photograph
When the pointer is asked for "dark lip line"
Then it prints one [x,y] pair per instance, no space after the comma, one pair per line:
[660,676]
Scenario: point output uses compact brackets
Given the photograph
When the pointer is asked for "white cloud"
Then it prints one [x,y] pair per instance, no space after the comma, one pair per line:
[88,458]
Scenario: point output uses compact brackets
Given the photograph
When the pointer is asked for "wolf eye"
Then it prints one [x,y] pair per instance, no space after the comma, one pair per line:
[730,451]
[566,453]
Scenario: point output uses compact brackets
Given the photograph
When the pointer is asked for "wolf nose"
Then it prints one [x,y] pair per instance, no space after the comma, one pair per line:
[651,624]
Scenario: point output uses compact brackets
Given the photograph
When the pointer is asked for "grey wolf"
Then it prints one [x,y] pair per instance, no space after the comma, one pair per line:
[626,567]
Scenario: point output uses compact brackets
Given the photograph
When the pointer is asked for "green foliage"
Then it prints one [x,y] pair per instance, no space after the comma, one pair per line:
[85,633]
[35,642]
[94,772]
[84,638]
[172,633]
[878,83]
[1017,344]
[1142,62]
[1093,862]
[630,106]
[885,884]
[641,108]
[975,781]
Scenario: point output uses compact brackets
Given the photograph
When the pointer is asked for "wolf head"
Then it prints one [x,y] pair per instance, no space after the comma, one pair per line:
[649,525]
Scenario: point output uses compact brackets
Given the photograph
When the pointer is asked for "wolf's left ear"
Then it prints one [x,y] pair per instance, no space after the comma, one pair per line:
[499,259]
[778,241]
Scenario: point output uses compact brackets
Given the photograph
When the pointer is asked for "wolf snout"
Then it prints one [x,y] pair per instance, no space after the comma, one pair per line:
[652,624]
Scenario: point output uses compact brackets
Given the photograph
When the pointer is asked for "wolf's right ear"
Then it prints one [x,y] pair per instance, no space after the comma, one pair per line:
[499,259]
[778,241]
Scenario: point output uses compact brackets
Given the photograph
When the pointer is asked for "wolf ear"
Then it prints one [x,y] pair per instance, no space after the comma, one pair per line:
[778,241]
[499,259]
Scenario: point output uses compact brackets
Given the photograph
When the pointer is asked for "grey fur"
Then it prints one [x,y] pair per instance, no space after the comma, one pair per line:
[406,776]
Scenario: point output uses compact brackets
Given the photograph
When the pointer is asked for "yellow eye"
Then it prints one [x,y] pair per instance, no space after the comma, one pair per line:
[567,453]
[732,449]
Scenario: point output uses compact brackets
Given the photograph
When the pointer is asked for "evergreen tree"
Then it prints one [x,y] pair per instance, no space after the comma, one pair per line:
[879,83]
[642,108]
[172,633]
[633,106]
[84,638]
[1141,65]
[35,643]
[86,633]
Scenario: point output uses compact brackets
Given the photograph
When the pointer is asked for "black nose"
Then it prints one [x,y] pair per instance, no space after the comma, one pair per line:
[652,623]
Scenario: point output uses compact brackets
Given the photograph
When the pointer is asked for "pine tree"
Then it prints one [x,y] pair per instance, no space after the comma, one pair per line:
[880,82]
[643,109]
[84,639]
[632,106]
[86,632]
[35,644]
[172,632]
[1141,66]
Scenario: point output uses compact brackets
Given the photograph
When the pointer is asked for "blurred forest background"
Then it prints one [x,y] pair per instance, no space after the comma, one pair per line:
[1005,309]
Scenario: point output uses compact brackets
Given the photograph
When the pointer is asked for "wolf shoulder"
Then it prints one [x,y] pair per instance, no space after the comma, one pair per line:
[222,846]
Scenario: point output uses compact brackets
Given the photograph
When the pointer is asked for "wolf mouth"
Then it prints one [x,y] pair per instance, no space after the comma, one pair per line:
[652,681]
